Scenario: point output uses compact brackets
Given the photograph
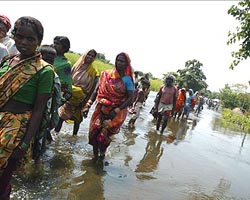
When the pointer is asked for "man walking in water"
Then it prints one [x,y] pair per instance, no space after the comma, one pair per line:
[165,102]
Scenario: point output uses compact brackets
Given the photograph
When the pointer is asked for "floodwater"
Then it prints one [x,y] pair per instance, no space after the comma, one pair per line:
[196,159]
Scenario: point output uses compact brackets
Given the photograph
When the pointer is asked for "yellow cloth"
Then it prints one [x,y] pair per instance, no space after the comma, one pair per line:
[77,95]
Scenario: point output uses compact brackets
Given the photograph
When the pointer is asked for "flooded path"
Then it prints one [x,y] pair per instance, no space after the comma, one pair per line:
[193,160]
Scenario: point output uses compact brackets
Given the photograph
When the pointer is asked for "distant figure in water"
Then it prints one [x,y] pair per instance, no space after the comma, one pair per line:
[165,102]
[137,105]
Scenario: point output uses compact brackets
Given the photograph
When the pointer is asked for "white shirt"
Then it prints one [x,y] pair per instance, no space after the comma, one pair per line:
[10,44]
[3,51]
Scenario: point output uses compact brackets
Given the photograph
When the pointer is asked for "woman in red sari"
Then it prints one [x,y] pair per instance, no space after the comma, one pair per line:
[113,95]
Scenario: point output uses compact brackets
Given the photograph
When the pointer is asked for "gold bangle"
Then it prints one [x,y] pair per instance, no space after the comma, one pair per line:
[90,102]
[88,105]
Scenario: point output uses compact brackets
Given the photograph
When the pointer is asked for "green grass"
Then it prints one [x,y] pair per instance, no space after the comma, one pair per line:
[72,57]
[155,84]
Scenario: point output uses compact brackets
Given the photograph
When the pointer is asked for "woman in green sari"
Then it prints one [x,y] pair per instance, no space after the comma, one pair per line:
[25,86]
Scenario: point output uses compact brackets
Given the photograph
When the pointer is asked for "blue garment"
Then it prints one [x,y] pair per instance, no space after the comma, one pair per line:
[188,105]
[128,82]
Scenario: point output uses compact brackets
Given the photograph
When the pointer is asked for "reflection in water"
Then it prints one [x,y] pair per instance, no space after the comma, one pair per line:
[178,130]
[89,184]
[153,153]
[45,179]
[219,193]
[194,123]
[129,142]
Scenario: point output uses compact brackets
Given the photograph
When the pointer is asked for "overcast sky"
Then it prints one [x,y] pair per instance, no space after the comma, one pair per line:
[159,36]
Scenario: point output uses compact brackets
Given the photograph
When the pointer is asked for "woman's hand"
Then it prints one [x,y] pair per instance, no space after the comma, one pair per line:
[85,111]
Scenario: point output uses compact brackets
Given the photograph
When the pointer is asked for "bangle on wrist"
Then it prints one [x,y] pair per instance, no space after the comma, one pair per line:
[117,110]
[90,102]
[88,105]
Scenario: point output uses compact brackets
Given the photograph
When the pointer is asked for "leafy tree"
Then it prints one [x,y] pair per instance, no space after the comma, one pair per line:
[235,96]
[192,76]
[101,57]
[175,74]
[212,95]
[229,98]
[242,35]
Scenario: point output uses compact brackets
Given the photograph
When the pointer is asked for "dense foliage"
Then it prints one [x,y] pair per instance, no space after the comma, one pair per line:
[241,13]
[232,97]
[236,120]
[191,76]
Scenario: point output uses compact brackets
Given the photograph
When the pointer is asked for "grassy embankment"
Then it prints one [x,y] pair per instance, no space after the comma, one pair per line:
[73,57]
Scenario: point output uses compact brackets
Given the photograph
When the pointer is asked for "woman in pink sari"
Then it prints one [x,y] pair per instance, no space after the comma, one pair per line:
[113,95]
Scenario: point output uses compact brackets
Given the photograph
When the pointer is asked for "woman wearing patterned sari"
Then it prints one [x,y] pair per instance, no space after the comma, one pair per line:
[25,86]
[113,95]
[84,80]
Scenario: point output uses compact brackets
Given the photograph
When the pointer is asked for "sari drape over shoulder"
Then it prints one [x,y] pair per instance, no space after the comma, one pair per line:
[84,80]
[17,76]
[111,94]
[13,126]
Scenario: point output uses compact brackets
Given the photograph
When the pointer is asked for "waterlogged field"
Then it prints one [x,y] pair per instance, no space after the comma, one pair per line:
[194,159]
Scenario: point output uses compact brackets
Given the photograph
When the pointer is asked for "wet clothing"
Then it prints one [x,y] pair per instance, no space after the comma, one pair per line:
[165,108]
[180,101]
[111,94]
[84,80]
[13,126]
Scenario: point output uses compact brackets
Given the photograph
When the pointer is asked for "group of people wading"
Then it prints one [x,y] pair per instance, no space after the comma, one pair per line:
[39,90]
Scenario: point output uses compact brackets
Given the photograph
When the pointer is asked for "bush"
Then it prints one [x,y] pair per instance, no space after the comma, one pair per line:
[236,121]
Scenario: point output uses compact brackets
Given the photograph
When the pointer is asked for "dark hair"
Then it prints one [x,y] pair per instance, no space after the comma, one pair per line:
[47,49]
[170,77]
[64,41]
[48,53]
[93,50]
[33,22]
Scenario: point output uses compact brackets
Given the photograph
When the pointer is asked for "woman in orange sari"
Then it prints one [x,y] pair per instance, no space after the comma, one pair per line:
[113,95]
[180,102]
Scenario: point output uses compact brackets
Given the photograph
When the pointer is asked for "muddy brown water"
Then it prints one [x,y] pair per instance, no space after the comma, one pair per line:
[196,159]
